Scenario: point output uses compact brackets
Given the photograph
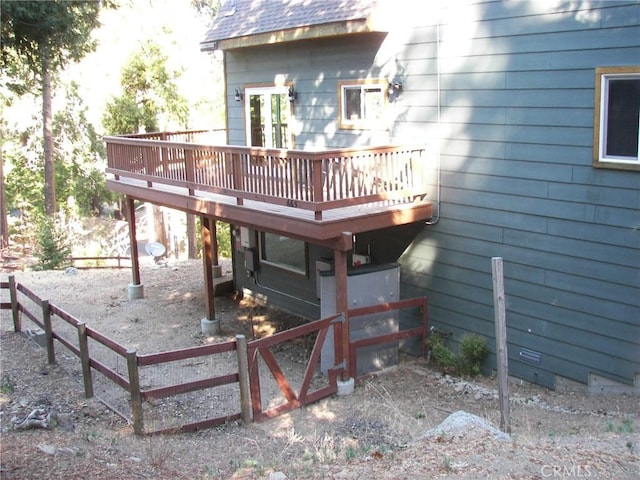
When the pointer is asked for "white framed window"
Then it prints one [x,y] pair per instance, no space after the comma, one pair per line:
[362,103]
[617,118]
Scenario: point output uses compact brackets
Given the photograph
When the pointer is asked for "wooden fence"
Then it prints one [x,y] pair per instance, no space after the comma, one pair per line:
[75,335]
[100,262]
[46,316]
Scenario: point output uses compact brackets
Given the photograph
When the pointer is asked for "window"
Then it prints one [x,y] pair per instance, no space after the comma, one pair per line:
[284,252]
[617,118]
[362,103]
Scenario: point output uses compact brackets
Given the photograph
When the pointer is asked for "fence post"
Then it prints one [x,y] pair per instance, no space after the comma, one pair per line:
[501,343]
[85,360]
[13,293]
[48,330]
[134,389]
[243,374]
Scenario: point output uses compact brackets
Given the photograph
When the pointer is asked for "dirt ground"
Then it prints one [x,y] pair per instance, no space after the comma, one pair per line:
[390,428]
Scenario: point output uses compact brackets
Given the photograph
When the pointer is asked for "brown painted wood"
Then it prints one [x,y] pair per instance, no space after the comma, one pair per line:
[272,218]
[133,240]
[207,259]
[341,330]
[308,195]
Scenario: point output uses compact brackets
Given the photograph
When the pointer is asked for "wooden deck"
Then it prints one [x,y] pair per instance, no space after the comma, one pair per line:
[315,196]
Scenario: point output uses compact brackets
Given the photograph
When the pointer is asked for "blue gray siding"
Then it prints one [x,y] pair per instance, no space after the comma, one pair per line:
[516,137]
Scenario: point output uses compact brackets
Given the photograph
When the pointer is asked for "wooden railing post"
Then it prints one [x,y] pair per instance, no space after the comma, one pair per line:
[318,176]
[134,390]
[48,331]
[236,165]
[243,374]
[85,360]
[189,166]
[15,310]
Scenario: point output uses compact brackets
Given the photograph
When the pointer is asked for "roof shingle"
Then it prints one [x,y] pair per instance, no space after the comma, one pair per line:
[241,18]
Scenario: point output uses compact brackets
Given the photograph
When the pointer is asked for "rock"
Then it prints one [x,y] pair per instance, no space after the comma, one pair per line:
[48,449]
[461,423]
[277,476]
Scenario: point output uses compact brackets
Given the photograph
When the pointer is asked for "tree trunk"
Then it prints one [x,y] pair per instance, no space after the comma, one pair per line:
[191,236]
[4,228]
[49,167]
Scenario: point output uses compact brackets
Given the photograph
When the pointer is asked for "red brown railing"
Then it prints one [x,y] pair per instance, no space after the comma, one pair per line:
[315,181]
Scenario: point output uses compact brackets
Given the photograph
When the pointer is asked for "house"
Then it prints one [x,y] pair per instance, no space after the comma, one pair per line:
[520,127]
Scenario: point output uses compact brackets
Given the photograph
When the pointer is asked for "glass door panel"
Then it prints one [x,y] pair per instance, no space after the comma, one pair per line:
[268,115]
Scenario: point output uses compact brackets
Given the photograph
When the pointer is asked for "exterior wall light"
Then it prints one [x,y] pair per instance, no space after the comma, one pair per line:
[394,88]
[238,95]
[292,94]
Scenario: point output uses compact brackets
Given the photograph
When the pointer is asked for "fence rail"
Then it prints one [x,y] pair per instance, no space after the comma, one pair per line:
[119,259]
[54,320]
[47,317]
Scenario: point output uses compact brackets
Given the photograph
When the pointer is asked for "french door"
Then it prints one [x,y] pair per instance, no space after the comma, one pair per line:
[268,117]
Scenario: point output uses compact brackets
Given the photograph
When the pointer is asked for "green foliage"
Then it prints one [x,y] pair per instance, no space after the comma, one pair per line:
[149,97]
[473,351]
[441,354]
[626,427]
[54,245]
[223,234]
[7,385]
[24,185]
[79,164]
[206,8]
[56,31]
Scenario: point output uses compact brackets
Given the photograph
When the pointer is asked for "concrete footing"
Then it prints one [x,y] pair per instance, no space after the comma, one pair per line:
[209,327]
[217,271]
[135,292]
[346,387]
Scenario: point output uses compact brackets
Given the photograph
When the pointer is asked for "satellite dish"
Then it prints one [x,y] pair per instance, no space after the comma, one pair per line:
[155,249]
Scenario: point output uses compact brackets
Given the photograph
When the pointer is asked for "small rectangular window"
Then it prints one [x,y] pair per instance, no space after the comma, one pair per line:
[617,118]
[362,103]
[284,252]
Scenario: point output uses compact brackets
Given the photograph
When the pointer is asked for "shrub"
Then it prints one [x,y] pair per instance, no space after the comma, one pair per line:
[54,247]
[473,351]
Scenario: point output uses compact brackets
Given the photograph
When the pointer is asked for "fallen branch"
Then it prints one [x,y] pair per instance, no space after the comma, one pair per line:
[38,418]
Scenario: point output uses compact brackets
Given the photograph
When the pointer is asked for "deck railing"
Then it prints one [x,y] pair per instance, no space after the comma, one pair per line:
[315,181]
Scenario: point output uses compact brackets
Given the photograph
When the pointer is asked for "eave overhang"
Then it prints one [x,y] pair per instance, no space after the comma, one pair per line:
[308,32]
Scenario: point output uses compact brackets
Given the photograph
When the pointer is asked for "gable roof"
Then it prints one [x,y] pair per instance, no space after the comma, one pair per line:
[243,23]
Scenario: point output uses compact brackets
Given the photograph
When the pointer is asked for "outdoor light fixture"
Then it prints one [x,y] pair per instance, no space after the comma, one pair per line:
[238,96]
[292,94]
[394,87]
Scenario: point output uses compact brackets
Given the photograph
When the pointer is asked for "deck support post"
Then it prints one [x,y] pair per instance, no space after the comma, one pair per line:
[209,324]
[341,332]
[135,290]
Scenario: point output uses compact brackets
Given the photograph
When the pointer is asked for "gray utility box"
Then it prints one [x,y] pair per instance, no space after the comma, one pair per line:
[367,285]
